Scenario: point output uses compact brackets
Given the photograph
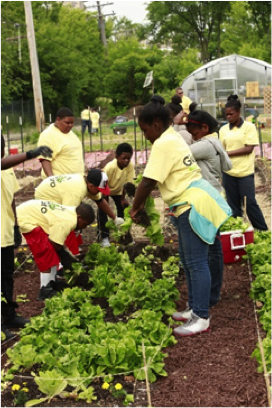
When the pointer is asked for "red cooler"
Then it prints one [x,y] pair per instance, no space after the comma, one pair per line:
[234,242]
[13,150]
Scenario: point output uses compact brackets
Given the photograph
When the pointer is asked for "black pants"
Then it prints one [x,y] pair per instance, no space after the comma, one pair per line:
[7,269]
[103,231]
[237,188]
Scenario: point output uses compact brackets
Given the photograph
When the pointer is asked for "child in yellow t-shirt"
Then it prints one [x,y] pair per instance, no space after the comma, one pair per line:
[45,226]
[95,120]
[71,189]
[86,120]
[198,207]
[67,148]
[10,234]
[239,138]
[119,171]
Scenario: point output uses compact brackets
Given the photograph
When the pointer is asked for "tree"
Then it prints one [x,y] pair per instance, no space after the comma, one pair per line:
[172,70]
[71,56]
[129,63]
[189,24]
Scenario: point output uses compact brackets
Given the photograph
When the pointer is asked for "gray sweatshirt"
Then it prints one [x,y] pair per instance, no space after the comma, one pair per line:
[211,158]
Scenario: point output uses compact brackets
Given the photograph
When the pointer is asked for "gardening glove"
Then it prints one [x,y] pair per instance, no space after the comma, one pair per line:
[39,151]
[17,236]
[118,221]
[130,189]
[67,258]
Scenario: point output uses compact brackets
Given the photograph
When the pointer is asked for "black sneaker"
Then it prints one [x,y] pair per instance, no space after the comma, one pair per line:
[60,275]
[8,334]
[46,292]
[16,322]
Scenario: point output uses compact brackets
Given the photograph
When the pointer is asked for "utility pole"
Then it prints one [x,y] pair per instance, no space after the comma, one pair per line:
[36,80]
[101,21]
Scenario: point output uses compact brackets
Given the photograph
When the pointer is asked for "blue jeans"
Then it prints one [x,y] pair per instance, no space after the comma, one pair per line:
[237,188]
[194,255]
[85,124]
[216,266]
[215,263]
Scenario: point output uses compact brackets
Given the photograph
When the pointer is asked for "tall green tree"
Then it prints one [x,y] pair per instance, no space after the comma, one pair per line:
[128,64]
[70,53]
[188,24]
[173,69]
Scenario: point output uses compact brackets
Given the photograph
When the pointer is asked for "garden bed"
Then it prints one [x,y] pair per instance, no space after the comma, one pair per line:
[208,370]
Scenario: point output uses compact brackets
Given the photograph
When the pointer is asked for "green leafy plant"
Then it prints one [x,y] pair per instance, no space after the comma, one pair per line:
[72,342]
[233,224]
[88,395]
[22,299]
[49,383]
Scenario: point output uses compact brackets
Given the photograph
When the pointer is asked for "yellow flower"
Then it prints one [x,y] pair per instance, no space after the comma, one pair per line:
[24,383]
[15,387]
[118,386]
[25,389]
[94,225]
[171,241]
[105,386]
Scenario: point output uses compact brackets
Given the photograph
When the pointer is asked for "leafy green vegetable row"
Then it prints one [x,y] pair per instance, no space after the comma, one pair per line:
[259,255]
[73,342]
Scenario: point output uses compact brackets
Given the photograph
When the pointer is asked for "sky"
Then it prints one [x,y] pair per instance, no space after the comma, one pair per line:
[133,10]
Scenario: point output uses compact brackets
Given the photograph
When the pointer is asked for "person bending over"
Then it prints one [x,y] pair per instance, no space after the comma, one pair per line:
[198,207]
[71,189]
[45,226]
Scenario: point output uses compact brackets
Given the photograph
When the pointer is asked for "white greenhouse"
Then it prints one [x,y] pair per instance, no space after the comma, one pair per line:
[211,84]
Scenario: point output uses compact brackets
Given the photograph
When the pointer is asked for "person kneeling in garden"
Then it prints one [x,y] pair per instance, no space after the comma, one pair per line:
[45,226]
[120,171]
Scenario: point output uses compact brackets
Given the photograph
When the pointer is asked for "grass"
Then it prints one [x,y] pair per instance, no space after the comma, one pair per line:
[266,135]
[109,139]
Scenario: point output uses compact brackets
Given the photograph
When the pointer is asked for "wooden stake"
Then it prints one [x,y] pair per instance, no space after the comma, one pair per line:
[265,371]
[146,378]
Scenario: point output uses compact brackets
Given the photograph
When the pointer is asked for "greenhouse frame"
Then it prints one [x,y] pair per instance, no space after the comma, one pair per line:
[211,84]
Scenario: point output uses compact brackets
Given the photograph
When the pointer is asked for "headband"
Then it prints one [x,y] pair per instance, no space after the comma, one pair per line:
[195,121]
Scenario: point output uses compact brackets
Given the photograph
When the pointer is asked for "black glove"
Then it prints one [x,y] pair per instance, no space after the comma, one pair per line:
[66,258]
[39,151]
[17,236]
[130,189]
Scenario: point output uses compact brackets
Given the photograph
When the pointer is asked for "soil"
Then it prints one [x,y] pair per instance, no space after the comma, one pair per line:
[210,370]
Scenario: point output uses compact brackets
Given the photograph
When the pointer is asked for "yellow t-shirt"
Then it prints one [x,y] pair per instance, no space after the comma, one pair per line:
[117,177]
[85,114]
[67,151]
[56,220]
[185,103]
[95,119]
[65,189]
[236,138]
[9,186]
[172,165]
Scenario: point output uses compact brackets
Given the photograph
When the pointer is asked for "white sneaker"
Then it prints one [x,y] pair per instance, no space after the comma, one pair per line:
[193,326]
[105,242]
[183,316]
